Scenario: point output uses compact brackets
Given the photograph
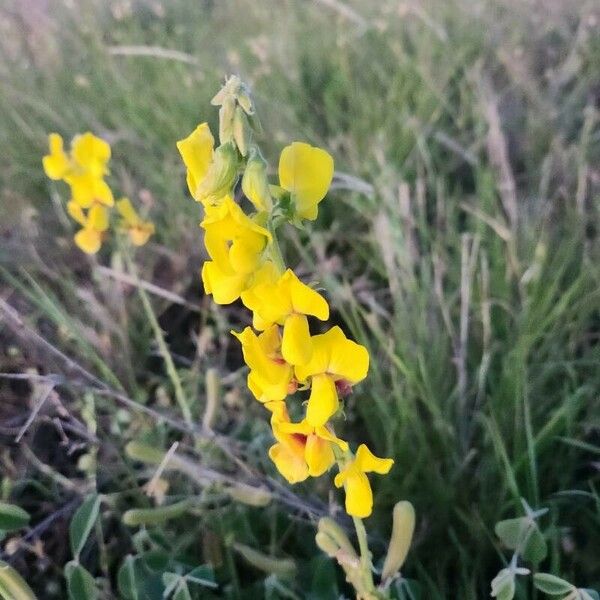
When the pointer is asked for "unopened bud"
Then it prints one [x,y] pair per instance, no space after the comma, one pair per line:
[12,585]
[250,495]
[402,532]
[326,544]
[226,120]
[221,175]
[328,527]
[241,131]
[255,184]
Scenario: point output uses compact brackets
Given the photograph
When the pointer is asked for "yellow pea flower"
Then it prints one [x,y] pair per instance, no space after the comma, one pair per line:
[318,448]
[306,172]
[88,189]
[57,163]
[90,154]
[270,377]
[197,153]
[255,184]
[287,302]
[139,230]
[288,453]
[236,244]
[359,496]
[336,361]
[93,225]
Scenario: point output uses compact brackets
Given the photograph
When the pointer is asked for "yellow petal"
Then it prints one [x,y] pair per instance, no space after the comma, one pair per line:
[359,496]
[245,252]
[306,172]
[196,151]
[348,360]
[127,212]
[76,212]
[291,465]
[98,218]
[91,153]
[325,434]
[367,462]
[224,287]
[141,233]
[323,401]
[296,347]
[305,300]
[88,240]
[319,455]
[56,164]
[255,184]
[87,190]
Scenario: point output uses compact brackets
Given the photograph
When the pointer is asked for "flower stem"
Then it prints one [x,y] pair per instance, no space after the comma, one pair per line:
[365,553]
[276,255]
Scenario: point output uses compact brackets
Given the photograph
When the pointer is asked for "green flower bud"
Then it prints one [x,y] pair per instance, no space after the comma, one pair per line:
[226,120]
[402,532]
[247,494]
[256,185]
[328,527]
[241,131]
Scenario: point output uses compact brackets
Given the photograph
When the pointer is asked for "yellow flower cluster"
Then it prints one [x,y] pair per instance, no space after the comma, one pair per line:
[245,263]
[83,169]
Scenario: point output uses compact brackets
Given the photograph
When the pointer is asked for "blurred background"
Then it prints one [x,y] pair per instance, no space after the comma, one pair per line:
[459,243]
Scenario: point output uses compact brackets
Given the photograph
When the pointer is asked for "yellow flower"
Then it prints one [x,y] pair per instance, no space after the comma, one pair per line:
[197,153]
[90,154]
[336,361]
[236,244]
[56,164]
[255,184]
[318,448]
[305,172]
[94,224]
[270,377]
[139,230]
[359,496]
[288,452]
[88,189]
[287,302]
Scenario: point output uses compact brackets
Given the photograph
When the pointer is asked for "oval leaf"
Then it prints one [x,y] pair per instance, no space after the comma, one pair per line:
[551,584]
[126,580]
[80,583]
[535,549]
[12,517]
[512,531]
[82,523]
[12,585]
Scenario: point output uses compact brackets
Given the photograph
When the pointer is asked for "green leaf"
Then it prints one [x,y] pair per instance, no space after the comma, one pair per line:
[126,579]
[12,517]
[503,585]
[535,549]
[202,575]
[551,584]
[182,592]
[80,583]
[512,531]
[324,581]
[12,585]
[82,523]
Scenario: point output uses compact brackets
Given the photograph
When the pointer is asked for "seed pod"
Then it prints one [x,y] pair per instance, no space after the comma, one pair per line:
[144,453]
[283,567]
[154,516]
[402,532]
[213,398]
[252,496]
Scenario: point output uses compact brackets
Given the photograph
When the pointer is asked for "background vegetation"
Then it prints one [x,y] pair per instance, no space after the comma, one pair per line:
[460,244]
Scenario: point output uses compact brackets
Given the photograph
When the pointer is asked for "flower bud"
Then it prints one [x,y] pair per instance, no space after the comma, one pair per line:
[226,120]
[12,585]
[256,185]
[402,532]
[336,536]
[241,131]
[282,567]
[221,175]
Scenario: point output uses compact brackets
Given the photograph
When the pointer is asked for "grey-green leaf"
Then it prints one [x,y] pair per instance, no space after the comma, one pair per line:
[126,580]
[551,584]
[535,549]
[12,517]
[82,523]
[587,594]
[12,585]
[503,585]
[512,531]
[80,583]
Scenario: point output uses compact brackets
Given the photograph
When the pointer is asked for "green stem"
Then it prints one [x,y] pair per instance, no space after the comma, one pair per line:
[276,255]
[162,346]
[365,553]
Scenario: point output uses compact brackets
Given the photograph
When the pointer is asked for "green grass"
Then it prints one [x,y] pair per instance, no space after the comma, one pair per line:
[479,302]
